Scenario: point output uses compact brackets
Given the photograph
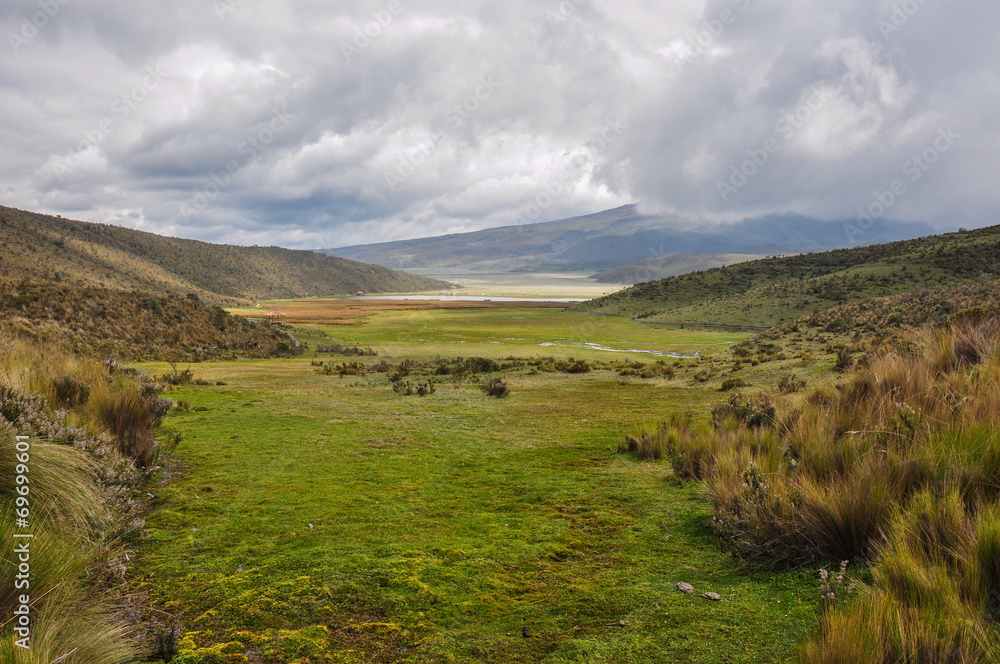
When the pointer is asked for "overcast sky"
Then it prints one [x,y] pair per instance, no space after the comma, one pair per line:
[311,124]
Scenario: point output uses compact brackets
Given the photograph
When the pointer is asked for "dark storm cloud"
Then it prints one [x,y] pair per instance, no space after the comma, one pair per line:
[306,124]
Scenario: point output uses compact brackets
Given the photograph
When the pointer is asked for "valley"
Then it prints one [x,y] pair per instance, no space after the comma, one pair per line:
[504,467]
[330,516]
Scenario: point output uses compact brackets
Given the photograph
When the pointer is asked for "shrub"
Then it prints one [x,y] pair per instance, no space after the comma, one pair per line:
[845,359]
[481,365]
[70,392]
[753,412]
[150,303]
[788,383]
[732,384]
[495,387]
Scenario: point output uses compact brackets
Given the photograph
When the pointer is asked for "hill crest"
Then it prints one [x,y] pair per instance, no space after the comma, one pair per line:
[40,247]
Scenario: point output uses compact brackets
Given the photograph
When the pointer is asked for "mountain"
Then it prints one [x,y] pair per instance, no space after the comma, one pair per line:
[38,247]
[771,291]
[670,265]
[611,239]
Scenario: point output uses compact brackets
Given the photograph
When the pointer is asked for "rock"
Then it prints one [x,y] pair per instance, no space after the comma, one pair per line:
[715,597]
[526,633]
[685,588]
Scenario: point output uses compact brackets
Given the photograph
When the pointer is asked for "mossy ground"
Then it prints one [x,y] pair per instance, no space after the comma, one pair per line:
[325,519]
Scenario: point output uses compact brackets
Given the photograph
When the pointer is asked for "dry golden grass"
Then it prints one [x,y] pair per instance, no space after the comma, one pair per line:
[898,468]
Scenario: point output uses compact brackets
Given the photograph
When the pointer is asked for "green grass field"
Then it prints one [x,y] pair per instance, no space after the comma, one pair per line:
[312,518]
[519,332]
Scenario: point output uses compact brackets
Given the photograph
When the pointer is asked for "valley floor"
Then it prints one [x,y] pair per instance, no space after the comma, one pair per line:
[315,518]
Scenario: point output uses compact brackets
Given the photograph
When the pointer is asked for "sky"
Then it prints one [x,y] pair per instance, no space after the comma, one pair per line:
[312,124]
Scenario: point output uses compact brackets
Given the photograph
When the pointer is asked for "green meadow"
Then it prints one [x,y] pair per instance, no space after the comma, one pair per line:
[312,518]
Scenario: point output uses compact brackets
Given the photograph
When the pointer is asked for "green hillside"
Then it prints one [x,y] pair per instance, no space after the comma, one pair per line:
[128,325]
[38,247]
[771,291]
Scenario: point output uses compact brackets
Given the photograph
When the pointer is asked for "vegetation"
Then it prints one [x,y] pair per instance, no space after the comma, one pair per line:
[317,514]
[496,387]
[776,290]
[444,526]
[84,505]
[56,250]
[898,468]
[100,322]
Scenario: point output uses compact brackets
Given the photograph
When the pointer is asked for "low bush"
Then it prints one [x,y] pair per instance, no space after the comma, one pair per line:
[789,383]
[730,384]
[495,387]
[753,412]
[408,389]
[70,392]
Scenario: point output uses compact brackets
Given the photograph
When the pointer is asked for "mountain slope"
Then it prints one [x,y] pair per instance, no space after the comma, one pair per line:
[771,291]
[611,239]
[44,248]
[670,265]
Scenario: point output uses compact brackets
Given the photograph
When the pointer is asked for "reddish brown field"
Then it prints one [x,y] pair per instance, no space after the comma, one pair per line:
[336,311]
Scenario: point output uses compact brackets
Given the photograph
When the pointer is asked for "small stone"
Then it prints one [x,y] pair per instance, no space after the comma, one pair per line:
[685,588]
[715,597]
[526,633]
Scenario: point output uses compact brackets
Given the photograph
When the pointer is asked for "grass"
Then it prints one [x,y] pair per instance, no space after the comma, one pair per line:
[79,508]
[898,470]
[523,331]
[332,519]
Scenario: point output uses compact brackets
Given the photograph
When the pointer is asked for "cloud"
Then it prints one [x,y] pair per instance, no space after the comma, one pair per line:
[404,119]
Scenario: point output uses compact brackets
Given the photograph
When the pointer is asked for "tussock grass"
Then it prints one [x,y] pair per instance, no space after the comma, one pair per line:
[61,478]
[80,504]
[132,418]
[898,468]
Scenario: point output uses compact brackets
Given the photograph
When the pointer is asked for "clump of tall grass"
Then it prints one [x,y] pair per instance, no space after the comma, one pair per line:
[898,468]
[132,417]
[82,501]
[69,620]
[933,595]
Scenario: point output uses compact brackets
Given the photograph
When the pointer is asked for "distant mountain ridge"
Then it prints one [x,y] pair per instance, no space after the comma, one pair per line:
[613,238]
[39,247]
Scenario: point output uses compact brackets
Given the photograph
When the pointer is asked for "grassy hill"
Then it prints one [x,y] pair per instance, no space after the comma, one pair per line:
[771,291]
[101,322]
[669,265]
[37,247]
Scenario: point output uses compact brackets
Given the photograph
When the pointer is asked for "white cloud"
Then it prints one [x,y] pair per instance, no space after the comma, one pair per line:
[697,83]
